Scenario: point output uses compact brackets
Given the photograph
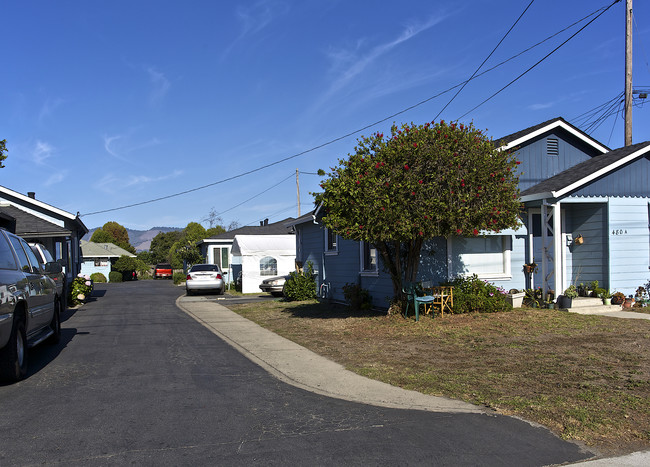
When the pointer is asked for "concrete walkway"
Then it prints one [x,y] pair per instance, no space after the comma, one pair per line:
[305,369]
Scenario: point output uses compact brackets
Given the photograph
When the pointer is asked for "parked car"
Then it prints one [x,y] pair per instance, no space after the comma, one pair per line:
[29,306]
[202,277]
[274,285]
[53,269]
[163,270]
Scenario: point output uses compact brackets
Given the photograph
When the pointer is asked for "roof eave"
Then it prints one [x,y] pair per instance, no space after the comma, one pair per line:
[557,124]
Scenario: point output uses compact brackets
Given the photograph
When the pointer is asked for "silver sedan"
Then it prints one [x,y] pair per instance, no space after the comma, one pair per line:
[203,277]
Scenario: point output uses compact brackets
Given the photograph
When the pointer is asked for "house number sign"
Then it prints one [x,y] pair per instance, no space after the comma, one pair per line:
[619,232]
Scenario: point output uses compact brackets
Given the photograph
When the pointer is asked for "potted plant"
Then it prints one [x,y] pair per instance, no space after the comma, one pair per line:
[618,298]
[530,268]
[566,299]
[640,295]
[515,297]
[629,302]
[593,286]
[606,295]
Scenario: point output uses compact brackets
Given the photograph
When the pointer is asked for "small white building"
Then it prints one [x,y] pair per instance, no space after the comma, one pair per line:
[263,256]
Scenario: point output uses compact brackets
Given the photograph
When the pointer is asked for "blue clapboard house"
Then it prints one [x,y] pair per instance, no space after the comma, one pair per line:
[586,218]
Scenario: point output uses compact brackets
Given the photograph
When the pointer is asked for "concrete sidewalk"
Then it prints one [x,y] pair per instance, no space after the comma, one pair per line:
[305,369]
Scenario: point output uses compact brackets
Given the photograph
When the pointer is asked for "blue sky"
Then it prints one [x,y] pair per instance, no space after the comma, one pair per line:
[112,103]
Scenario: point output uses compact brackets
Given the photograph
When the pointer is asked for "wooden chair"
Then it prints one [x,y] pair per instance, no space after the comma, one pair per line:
[443,298]
[415,296]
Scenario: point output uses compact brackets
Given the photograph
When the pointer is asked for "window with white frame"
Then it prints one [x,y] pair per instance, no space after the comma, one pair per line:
[331,245]
[488,257]
[368,257]
[268,266]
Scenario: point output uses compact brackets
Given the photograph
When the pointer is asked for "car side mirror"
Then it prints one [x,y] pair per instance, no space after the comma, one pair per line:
[53,267]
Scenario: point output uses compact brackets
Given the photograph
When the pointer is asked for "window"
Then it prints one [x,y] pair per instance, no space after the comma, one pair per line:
[22,253]
[98,262]
[487,257]
[268,266]
[368,257]
[224,258]
[7,260]
[330,241]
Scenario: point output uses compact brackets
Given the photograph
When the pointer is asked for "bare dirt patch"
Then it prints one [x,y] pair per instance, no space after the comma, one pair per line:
[587,378]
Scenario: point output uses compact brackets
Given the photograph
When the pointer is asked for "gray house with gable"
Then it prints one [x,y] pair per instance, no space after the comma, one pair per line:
[586,217]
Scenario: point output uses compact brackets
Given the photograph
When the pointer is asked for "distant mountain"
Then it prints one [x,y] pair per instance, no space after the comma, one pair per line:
[140,239]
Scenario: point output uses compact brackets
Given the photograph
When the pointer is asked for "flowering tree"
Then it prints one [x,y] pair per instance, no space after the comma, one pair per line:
[426,181]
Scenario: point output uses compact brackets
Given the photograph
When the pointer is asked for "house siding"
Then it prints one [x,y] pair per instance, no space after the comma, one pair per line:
[629,180]
[537,166]
[628,243]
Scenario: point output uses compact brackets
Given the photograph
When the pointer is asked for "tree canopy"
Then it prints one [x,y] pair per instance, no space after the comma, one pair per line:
[424,181]
[112,232]
[161,244]
[3,150]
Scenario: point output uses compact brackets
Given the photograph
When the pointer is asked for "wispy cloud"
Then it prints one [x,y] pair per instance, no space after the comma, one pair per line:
[56,177]
[48,108]
[41,152]
[348,64]
[114,183]
[160,86]
[120,146]
[546,105]
[255,18]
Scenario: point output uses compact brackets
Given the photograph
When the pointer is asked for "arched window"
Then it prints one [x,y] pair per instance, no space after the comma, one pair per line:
[268,266]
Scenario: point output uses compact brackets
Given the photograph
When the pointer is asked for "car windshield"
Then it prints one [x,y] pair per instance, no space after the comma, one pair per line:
[164,266]
[204,267]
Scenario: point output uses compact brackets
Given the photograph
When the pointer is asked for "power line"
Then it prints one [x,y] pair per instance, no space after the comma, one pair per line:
[347,135]
[255,196]
[483,63]
[541,60]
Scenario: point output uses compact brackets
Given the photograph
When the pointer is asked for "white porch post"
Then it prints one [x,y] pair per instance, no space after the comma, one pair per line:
[555,227]
[544,226]
[558,263]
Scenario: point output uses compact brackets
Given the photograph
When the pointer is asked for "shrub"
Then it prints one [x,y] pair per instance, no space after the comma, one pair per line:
[356,297]
[178,277]
[571,292]
[80,290]
[98,277]
[115,276]
[301,285]
[474,295]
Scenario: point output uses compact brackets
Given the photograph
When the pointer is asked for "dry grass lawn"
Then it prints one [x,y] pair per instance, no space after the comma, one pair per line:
[587,378]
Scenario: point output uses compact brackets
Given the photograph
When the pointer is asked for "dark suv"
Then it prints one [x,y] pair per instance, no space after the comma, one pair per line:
[29,306]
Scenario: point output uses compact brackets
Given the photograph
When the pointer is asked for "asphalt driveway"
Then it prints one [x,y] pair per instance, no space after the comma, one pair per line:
[136,380]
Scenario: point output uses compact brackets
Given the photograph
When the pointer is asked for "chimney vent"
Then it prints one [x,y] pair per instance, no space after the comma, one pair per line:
[31,194]
[266,221]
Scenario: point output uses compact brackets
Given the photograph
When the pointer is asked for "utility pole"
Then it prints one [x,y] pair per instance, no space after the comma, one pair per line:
[298,191]
[628,72]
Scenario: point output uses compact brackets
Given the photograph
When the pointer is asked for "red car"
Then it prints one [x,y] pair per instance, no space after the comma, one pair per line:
[163,270]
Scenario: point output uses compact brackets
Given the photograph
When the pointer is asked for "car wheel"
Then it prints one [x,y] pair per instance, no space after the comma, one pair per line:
[188,292]
[13,357]
[55,324]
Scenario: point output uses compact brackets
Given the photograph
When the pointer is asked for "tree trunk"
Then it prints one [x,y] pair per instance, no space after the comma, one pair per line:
[399,265]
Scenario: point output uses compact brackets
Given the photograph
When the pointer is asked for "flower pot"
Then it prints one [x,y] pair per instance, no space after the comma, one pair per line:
[628,302]
[516,299]
[564,302]
[607,301]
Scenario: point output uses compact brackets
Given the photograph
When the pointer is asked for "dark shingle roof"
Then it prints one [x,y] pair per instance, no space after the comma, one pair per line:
[498,142]
[28,225]
[584,170]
